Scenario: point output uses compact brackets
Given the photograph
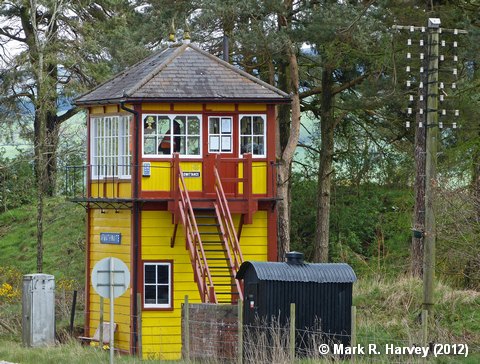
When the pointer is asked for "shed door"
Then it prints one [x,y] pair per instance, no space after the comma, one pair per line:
[220,141]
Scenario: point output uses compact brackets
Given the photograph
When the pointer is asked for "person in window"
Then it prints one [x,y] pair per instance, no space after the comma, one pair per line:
[165,145]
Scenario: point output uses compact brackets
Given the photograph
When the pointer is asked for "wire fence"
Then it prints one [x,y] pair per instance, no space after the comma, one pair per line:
[218,334]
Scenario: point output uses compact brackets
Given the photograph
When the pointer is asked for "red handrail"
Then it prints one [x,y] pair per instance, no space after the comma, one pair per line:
[194,242]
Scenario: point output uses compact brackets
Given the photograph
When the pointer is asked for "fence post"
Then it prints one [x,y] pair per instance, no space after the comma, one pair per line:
[353,337]
[292,332]
[240,331]
[101,321]
[72,312]
[186,328]
[139,325]
[424,329]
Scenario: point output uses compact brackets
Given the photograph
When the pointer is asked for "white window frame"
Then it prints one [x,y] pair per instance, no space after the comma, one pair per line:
[221,135]
[264,135]
[156,284]
[186,135]
[110,139]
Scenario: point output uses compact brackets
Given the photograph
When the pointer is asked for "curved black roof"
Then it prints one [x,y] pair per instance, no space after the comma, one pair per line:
[307,272]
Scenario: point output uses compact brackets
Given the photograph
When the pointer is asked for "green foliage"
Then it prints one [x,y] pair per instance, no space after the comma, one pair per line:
[16,181]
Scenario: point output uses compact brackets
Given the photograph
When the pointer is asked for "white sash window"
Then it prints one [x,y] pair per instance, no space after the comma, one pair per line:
[110,149]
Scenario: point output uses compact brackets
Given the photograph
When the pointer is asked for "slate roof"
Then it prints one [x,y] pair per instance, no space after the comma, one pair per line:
[313,272]
[184,73]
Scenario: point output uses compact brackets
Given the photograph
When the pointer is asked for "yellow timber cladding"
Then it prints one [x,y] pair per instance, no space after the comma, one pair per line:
[161,330]
[118,222]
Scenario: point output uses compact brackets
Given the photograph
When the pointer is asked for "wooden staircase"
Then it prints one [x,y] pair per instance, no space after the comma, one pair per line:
[212,243]
[217,256]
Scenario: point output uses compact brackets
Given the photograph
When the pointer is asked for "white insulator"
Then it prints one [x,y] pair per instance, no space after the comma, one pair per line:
[455,58]
[444,112]
[441,85]
[421,42]
[411,98]
[454,71]
[407,124]
[420,111]
[440,125]
[455,44]
[442,97]
[457,112]
[421,69]
[409,55]
[409,110]
[409,83]
[454,125]
[442,57]
[455,31]
[420,124]
[421,98]
[409,41]
[412,28]
[423,29]
[443,43]
[408,69]
[454,85]
[422,56]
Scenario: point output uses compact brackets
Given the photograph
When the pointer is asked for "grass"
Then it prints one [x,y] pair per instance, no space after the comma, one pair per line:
[64,239]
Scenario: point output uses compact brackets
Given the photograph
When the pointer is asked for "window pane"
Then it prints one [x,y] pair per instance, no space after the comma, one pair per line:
[258,125]
[226,125]
[246,145]
[162,294]
[214,126]
[179,144]
[257,147]
[149,273]
[245,125]
[163,124]
[162,274]
[193,125]
[179,126]
[150,294]
[150,124]
[193,145]
[150,144]
[214,143]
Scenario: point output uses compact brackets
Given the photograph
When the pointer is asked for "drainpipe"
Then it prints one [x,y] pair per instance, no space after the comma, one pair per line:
[136,223]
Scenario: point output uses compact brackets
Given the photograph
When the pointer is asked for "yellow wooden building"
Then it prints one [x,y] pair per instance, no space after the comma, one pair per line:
[181,186]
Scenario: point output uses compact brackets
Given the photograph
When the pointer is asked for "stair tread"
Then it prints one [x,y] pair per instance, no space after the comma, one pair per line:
[225,285]
[222,275]
[208,225]
[226,292]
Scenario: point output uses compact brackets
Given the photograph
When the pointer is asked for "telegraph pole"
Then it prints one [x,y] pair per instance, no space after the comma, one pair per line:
[432,112]
[430,234]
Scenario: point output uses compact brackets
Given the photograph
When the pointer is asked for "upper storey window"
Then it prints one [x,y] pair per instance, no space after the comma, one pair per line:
[253,135]
[110,149]
[168,134]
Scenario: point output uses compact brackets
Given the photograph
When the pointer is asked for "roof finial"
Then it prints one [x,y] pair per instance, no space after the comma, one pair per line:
[171,35]
[186,33]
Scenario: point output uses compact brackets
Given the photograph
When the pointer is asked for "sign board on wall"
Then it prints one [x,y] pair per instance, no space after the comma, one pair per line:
[191,174]
[110,238]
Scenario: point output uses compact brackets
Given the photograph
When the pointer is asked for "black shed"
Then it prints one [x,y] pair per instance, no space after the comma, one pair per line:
[322,293]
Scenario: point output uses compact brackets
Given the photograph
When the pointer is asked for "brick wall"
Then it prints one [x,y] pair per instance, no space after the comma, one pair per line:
[213,331]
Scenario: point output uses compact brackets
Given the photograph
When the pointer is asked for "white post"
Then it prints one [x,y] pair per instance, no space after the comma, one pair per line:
[112,266]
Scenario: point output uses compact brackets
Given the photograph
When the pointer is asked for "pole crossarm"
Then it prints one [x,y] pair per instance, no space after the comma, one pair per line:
[424,29]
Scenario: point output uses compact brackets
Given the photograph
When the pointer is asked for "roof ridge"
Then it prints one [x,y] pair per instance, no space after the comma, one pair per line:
[239,71]
[119,74]
[157,69]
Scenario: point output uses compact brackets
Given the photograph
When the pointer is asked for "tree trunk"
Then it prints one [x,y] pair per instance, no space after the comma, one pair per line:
[284,167]
[419,209]
[325,168]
